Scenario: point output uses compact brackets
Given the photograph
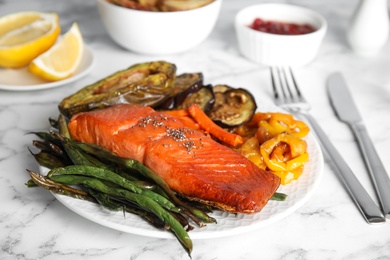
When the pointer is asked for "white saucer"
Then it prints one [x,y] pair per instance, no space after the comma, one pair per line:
[22,80]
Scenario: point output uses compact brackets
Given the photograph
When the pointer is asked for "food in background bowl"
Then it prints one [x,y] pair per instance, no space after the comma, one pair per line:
[158,32]
[284,28]
[161,5]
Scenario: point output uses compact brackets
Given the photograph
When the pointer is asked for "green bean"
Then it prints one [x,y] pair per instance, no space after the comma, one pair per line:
[183,221]
[140,200]
[107,175]
[58,188]
[116,203]
[52,145]
[47,137]
[144,184]
[48,147]
[31,184]
[47,160]
[63,126]
[103,199]
[134,209]
[92,196]
[279,196]
[53,123]
[80,158]
[105,154]
[75,155]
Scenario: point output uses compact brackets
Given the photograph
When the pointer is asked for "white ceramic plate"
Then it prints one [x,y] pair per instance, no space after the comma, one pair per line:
[227,224]
[22,80]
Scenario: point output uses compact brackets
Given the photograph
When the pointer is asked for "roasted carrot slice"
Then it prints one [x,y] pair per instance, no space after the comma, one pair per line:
[213,129]
[177,113]
[184,117]
[189,122]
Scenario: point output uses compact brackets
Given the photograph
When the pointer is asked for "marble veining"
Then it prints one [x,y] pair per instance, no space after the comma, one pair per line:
[34,225]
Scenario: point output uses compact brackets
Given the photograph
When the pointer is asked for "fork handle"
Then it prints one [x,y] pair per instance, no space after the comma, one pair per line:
[363,201]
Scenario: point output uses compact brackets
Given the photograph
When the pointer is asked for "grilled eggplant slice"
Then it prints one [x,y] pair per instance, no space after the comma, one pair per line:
[148,83]
[221,88]
[185,84]
[204,98]
[232,107]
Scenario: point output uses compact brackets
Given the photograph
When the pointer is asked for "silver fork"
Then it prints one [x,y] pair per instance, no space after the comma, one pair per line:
[288,96]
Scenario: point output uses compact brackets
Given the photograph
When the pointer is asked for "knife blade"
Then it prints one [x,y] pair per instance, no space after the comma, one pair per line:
[346,110]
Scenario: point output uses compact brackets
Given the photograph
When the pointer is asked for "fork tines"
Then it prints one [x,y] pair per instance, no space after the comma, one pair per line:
[285,87]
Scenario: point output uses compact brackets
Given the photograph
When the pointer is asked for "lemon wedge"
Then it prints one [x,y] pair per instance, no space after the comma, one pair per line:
[25,35]
[61,60]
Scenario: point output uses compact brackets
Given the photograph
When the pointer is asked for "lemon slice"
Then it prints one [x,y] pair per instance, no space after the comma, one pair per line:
[61,60]
[25,35]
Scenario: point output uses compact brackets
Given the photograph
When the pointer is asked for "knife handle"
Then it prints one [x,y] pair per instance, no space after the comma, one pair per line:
[359,195]
[375,167]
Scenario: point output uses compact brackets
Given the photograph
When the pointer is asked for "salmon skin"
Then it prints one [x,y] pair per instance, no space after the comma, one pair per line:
[191,163]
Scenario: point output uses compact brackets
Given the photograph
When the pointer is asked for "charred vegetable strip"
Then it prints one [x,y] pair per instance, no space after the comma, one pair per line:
[59,188]
[63,126]
[148,83]
[47,160]
[48,147]
[48,137]
[144,202]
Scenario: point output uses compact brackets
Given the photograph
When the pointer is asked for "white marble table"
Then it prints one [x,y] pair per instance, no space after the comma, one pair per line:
[34,225]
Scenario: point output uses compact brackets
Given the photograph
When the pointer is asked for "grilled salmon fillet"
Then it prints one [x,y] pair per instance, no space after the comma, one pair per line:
[191,163]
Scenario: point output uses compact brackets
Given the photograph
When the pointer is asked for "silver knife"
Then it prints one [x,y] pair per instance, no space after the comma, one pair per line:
[346,110]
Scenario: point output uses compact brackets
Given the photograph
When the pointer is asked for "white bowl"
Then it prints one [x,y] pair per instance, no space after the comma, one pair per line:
[158,32]
[275,49]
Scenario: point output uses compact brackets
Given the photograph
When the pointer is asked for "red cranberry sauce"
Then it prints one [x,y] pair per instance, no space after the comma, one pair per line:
[281,27]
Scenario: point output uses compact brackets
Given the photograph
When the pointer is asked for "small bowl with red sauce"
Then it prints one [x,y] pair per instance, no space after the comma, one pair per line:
[279,34]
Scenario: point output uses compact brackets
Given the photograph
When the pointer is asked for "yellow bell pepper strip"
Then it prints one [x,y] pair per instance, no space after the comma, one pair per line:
[288,176]
[285,155]
[281,153]
[251,150]
[259,116]
[276,123]
[273,141]
[266,131]
[246,131]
